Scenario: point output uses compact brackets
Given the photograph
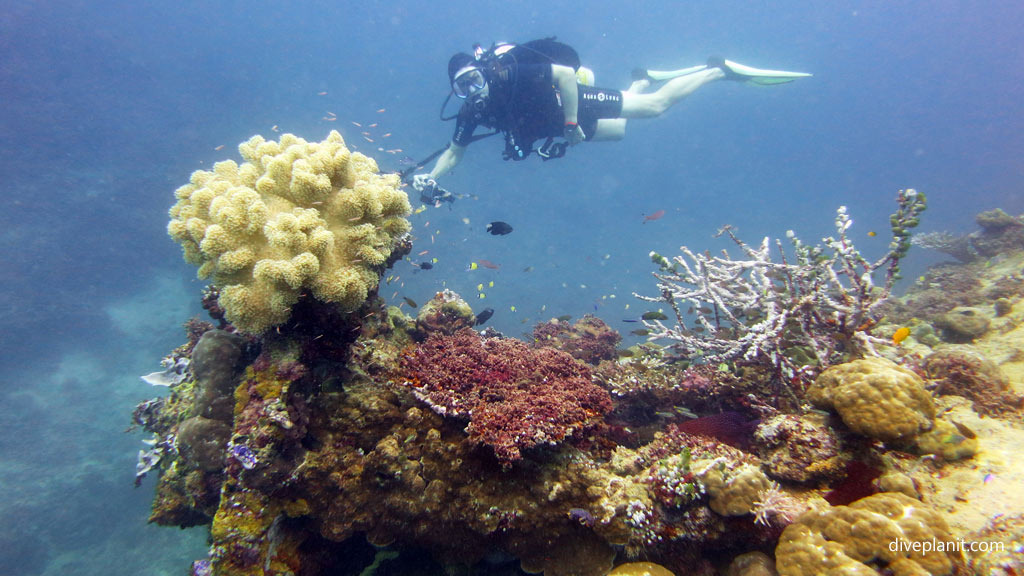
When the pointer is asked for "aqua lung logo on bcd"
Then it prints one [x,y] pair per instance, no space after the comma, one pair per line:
[601,96]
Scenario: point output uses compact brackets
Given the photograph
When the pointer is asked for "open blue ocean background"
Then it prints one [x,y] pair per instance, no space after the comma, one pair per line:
[107,107]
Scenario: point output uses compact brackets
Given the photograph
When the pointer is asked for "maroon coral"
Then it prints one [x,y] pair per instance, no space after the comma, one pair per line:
[514,396]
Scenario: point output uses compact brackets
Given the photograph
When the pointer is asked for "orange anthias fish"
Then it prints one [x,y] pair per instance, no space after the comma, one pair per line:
[653,217]
[489,264]
[900,335]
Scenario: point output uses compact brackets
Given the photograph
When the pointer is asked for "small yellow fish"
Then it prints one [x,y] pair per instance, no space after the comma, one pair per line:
[872,234]
[472,266]
[480,287]
[490,284]
[900,335]
[481,295]
[512,308]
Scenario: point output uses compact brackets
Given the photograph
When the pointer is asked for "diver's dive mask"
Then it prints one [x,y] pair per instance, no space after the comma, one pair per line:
[469,82]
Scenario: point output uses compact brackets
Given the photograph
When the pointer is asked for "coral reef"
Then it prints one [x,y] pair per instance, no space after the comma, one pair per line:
[800,448]
[758,310]
[968,374]
[446,313]
[1000,233]
[514,397]
[294,216]
[1000,544]
[962,325]
[856,539]
[588,340]
[875,398]
[346,428]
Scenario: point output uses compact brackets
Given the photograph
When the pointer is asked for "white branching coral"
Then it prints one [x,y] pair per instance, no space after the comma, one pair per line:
[754,308]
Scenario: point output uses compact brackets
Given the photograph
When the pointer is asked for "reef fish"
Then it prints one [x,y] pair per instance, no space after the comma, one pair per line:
[489,264]
[653,216]
[425,265]
[499,228]
[900,335]
[412,303]
[484,316]
[657,315]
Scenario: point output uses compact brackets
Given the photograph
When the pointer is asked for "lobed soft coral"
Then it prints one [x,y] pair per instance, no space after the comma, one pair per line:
[295,216]
[515,397]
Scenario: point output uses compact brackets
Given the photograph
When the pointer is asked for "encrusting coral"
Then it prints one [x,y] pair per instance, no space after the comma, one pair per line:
[294,216]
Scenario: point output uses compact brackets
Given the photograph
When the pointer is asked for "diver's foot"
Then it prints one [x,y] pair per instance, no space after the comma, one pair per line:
[640,74]
[720,63]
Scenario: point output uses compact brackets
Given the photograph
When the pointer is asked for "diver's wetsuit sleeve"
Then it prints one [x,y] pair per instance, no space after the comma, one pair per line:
[465,124]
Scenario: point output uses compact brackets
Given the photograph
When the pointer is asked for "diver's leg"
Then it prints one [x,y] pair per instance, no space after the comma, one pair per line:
[609,129]
[641,81]
[637,105]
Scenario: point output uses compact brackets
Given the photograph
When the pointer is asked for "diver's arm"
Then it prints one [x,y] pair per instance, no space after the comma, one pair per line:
[448,160]
[565,80]
[445,162]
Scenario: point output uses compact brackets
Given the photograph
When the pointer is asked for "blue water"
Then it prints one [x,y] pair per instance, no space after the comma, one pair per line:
[106,108]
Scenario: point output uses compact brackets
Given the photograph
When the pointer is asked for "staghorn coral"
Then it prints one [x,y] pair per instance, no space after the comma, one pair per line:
[294,216]
[514,397]
[858,540]
[875,398]
[760,310]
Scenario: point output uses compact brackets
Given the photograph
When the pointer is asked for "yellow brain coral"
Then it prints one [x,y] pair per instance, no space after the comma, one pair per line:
[295,215]
[875,398]
[886,533]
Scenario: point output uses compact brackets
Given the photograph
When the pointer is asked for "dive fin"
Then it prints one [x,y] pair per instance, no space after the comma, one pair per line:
[737,71]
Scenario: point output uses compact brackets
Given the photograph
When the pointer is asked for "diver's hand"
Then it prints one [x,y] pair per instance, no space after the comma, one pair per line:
[573,133]
[422,182]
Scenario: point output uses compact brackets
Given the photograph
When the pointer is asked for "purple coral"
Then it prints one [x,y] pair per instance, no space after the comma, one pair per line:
[202,568]
[245,456]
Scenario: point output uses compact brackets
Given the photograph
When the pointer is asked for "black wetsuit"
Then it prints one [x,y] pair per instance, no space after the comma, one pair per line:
[525,105]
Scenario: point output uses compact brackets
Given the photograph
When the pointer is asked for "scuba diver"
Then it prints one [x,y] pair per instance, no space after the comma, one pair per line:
[538,91]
